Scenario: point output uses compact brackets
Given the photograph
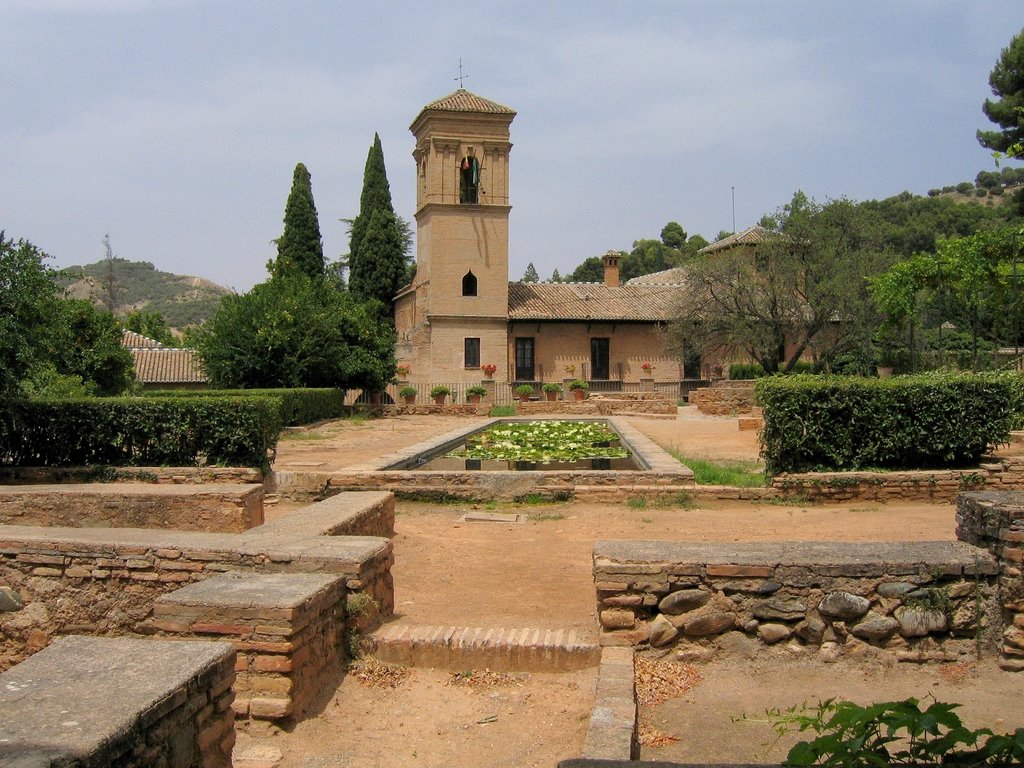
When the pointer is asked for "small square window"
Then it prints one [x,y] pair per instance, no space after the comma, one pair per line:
[472,349]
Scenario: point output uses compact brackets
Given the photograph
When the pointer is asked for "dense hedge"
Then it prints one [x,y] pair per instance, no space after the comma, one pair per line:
[907,422]
[298,406]
[1015,380]
[174,431]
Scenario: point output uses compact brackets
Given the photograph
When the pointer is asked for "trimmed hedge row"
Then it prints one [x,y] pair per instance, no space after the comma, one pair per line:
[908,422]
[173,431]
[298,406]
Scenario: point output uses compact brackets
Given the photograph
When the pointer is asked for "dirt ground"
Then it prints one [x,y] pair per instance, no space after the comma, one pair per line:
[538,574]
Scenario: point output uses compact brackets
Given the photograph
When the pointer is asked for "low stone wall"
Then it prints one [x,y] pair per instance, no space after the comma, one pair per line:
[287,629]
[215,507]
[106,581]
[912,601]
[724,398]
[119,702]
[995,521]
[180,475]
[994,473]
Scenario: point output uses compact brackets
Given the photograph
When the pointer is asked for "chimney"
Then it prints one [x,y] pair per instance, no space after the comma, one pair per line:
[611,268]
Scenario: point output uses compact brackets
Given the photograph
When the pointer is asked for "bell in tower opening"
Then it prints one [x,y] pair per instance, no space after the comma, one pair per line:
[469,179]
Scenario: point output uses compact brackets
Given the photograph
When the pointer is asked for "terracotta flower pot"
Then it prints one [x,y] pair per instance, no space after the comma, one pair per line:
[474,399]
[552,396]
[410,399]
[439,399]
[524,398]
[579,394]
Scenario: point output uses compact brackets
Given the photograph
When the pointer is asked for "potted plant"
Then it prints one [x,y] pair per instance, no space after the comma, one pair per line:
[570,370]
[488,370]
[525,391]
[474,393]
[408,394]
[551,389]
[579,388]
[403,370]
[439,393]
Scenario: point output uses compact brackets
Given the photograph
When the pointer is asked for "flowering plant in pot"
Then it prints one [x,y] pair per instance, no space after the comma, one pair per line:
[570,369]
[551,389]
[403,370]
[579,388]
[489,370]
[439,393]
[474,393]
[647,368]
[525,391]
[408,394]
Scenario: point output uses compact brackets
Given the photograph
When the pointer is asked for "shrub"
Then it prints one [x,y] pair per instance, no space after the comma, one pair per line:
[739,371]
[552,386]
[964,187]
[407,391]
[476,389]
[296,406]
[439,390]
[172,431]
[524,389]
[909,422]
[1015,381]
[578,384]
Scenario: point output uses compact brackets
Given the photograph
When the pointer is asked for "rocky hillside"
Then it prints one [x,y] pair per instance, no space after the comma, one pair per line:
[130,285]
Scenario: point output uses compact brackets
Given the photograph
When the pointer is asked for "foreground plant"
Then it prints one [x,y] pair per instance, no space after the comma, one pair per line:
[892,733]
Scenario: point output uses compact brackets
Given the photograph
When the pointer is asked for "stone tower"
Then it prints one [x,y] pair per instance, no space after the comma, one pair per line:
[454,316]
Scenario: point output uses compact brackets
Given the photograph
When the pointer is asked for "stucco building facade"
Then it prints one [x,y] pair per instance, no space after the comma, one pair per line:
[461,313]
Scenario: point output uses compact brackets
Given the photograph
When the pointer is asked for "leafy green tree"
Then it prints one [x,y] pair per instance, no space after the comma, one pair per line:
[27,296]
[673,235]
[152,325]
[805,291]
[647,257]
[556,277]
[1007,109]
[300,249]
[296,332]
[530,276]
[590,271]
[379,281]
[84,341]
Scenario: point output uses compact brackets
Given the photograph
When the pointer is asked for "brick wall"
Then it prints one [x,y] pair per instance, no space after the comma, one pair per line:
[288,631]
[994,473]
[189,475]
[931,601]
[217,507]
[724,398]
[119,702]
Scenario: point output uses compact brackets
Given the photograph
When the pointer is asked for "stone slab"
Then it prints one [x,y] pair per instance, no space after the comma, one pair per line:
[253,590]
[74,697]
[492,517]
[866,555]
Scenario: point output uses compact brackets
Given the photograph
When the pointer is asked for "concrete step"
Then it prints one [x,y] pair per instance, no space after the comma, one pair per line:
[501,649]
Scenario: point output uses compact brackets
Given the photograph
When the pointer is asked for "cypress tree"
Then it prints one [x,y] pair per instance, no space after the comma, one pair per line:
[376,262]
[377,273]
[299,249]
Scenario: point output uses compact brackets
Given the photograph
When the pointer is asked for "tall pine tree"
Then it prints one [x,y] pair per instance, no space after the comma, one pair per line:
[299,249]
[376,262]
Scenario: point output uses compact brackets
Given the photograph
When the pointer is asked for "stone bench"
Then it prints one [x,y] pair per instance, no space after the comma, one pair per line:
[214,507]
[98,701]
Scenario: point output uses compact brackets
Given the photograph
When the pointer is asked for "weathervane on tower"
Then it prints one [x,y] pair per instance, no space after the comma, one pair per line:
[461,76]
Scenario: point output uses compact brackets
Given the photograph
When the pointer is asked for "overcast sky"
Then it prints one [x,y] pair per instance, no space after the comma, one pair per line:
[174,125]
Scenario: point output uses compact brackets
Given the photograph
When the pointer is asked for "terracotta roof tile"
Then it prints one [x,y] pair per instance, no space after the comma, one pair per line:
[591,301]
[164,365]
[133,340]
[749,236]
[674,276]
[465,101]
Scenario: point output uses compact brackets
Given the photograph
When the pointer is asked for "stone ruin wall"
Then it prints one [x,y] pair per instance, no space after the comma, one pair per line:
[106,581]
[933,601]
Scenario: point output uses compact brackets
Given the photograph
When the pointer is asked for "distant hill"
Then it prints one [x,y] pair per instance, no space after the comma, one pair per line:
[182,300]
